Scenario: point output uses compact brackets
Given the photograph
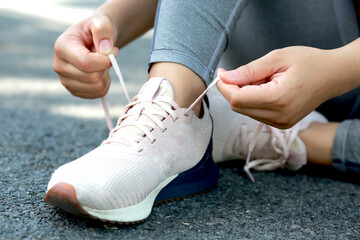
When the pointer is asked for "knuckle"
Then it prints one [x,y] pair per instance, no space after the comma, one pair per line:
[233,100]
[277,53]
[85,66]
[65,83]
[101,93]
[101,25]
[94,77]
[248,70]
[60,45]
[101,88]
[57,49]
[276,56]
[106,89]
[56,67]
[104,92]
[57,46]
[102,29]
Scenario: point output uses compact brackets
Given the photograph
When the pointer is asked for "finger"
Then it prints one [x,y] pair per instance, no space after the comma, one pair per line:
[262,115]
[255,71]
[72,49]
[69,71]
[103,33]
[85,60]
[87,90]
[237,97]
[220,70]
[277,118]
[253,96]
[266,116]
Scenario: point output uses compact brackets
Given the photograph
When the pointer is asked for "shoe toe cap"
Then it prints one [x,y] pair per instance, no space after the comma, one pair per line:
[63,195]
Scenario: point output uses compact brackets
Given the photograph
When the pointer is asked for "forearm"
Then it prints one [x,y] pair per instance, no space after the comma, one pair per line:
[131,18]
[346,68]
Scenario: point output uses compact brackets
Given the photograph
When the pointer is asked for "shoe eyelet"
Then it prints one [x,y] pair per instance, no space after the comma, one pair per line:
[140,150]
[153,141]
[164,130]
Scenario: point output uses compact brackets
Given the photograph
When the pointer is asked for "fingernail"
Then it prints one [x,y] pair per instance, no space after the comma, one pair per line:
[233,74]
[105,47]
[219,71]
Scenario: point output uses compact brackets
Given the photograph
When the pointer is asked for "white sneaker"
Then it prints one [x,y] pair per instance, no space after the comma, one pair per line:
[155,153]
[274,148]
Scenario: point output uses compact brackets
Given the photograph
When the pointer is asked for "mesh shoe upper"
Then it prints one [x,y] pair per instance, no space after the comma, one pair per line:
[152,141]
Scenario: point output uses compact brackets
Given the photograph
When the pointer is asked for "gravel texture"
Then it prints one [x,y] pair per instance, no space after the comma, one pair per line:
[43,126]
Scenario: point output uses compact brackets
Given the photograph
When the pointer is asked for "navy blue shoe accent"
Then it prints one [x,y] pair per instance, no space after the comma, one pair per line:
[195,180]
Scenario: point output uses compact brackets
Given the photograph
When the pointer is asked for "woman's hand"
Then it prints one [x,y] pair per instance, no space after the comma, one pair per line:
[80,52]
[285,85]
[80,56]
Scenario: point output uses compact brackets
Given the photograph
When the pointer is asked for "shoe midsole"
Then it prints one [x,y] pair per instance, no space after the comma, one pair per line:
[133,213]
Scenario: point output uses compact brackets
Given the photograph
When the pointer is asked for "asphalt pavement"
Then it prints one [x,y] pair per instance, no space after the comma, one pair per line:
[42,126]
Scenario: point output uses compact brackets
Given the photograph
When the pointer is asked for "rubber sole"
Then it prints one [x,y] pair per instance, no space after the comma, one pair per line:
[192,182]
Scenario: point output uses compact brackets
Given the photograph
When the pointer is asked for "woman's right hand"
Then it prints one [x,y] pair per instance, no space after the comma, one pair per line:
[80,56]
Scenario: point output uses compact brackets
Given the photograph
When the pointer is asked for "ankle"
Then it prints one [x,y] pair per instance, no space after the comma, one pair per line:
[318,139]
[187,85]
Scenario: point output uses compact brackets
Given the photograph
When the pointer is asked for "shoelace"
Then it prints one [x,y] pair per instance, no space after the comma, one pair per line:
[253,140]
[122,83]
[148,134]
[132,115]
[133,111]
[281,143]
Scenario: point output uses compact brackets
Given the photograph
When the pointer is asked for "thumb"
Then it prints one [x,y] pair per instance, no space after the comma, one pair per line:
[103,32]
[252,72]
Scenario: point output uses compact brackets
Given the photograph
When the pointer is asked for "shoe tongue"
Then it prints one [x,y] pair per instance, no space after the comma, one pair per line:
[154,87]
[151,90]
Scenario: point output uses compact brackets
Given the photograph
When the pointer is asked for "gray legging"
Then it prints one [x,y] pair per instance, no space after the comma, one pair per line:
[196,34]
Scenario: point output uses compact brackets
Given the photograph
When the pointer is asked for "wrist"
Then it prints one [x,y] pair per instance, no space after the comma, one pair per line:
[346,67]
[131,18]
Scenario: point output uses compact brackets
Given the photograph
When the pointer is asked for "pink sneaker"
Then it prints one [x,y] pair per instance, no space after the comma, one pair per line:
[274,148]
[155,153]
